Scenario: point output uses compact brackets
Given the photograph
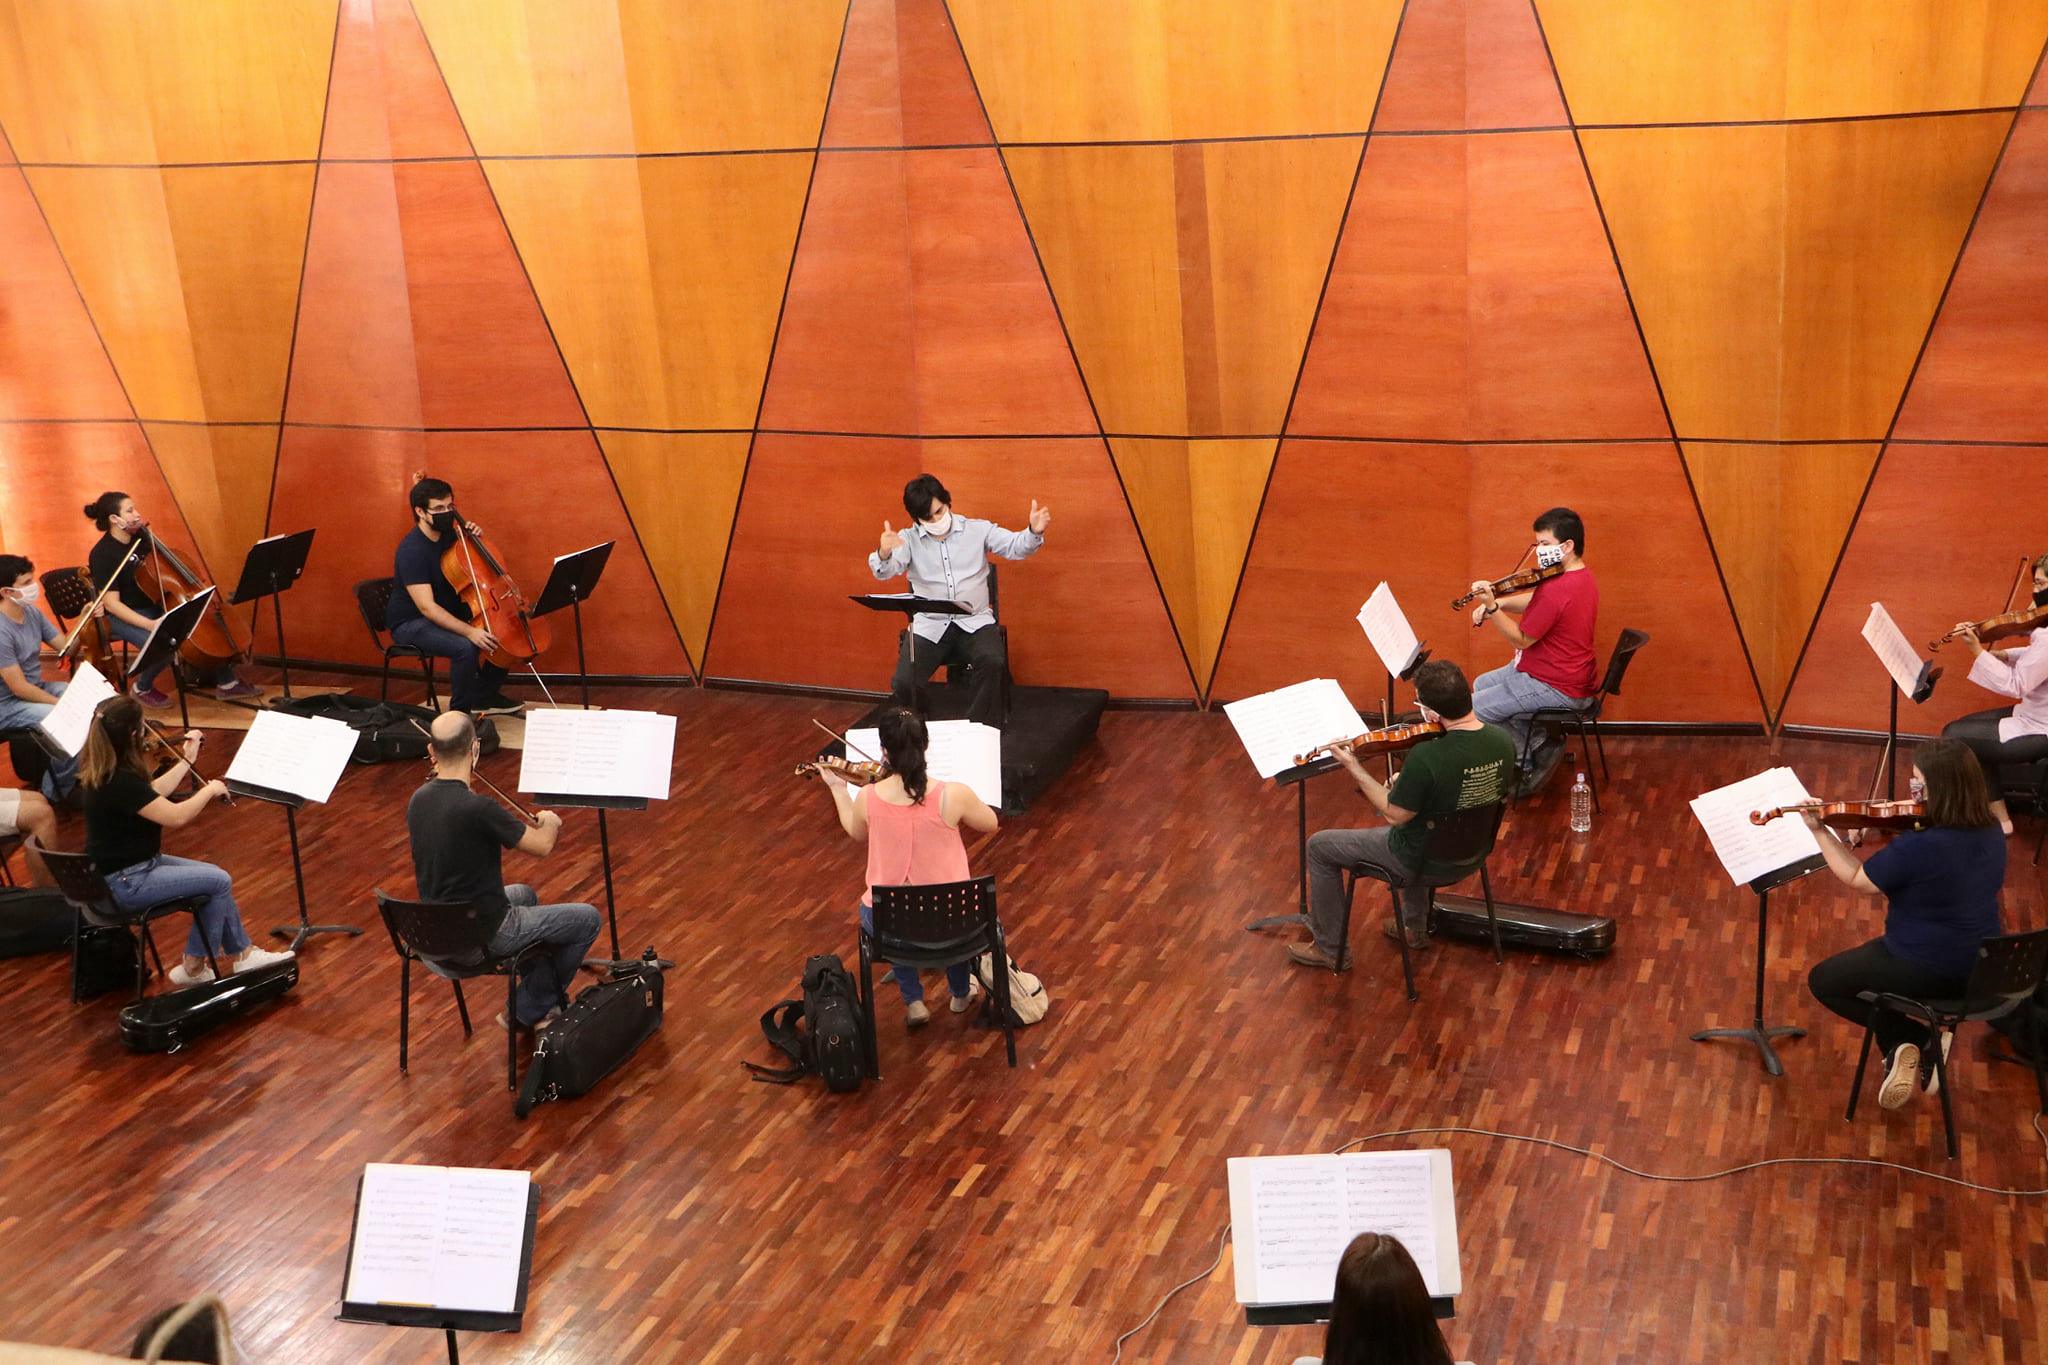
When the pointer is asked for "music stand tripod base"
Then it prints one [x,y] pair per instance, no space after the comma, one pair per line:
[305,928]
[1759,1033]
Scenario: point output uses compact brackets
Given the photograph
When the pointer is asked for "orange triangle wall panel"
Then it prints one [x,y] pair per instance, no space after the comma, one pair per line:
[93,457]
[51,362]
[916,306]
[681,491]
[387,99]
[901,80]
[1469,64]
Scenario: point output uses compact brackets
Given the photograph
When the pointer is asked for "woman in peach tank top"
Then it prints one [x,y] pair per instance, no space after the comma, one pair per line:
[912,829]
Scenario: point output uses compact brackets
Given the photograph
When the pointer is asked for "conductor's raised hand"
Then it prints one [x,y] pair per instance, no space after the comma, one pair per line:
[1041,517]
[891,542]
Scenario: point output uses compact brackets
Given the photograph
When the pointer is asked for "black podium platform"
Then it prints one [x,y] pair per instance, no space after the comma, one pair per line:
[1048,727]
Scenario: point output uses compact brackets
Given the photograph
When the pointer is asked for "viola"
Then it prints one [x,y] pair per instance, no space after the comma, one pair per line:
[1853,814]
[214,643]
[2007,625]
[857,774]
[1385,740]
[1513,583]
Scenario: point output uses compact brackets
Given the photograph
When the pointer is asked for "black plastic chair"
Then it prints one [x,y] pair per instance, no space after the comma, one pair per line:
[373,598]
[86,890]
[69,591]
[452,938]
[2028,783]
[2009,970]
[929,927]
[1587,721]
[1462,840]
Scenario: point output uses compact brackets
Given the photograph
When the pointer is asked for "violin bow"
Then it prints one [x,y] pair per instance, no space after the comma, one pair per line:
[161,738]
[100,597]
[522,812]
[851,747]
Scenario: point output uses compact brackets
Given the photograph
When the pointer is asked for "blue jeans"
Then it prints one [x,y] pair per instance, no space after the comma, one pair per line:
[16,714]
[1508,697]
[906,977]
[469,679]
[137,636]
[568,930]
[164,878]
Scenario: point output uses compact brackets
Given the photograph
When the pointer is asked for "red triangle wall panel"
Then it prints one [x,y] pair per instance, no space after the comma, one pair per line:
[387,98]
[1469,64]
[902,80]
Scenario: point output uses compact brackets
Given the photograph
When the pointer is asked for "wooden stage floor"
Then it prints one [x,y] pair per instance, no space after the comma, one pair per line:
[963,1211]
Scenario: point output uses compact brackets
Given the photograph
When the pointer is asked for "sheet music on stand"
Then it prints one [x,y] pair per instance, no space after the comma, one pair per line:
[598,753]
[301,756]
[440,1246]
[962,751]
[1275,726]
[1751,851]
[1386,627]
[1898,656]
[70,720]
[1292,1216]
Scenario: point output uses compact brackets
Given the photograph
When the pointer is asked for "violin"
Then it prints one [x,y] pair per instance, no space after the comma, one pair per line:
[857,774]
[155,739]
[1386,740]
[2006,625]
[493,598]
[1520,581]
[214,643]
[1852,814]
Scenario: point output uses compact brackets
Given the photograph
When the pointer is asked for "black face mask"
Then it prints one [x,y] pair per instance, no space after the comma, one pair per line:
[2041,598]
[443,522]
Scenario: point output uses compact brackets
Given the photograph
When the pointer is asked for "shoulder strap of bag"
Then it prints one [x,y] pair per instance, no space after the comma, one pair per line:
[778,1026]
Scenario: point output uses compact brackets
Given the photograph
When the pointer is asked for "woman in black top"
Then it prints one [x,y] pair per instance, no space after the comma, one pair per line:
[1941,887]
[126,813]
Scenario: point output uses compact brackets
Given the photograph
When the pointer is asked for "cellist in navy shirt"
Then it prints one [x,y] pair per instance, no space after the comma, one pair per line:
[426,612]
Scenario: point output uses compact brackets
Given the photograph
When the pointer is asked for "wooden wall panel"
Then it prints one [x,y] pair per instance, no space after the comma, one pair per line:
[387,98]
[221,478]
[49,471]
[1474,296]
[682,493]
[537,494]
[1982,377]
[573,77]
[1078,70]
[1196,503]
[193,277]
[1936,544]
[916,306]
[1334,526]
[1779,517]
[416,310]
[138,82]
[661,277]
[902,81]
[1786,276]
[1655,61]
[51,362]
[1469,64]
[782,610]
[1188,275]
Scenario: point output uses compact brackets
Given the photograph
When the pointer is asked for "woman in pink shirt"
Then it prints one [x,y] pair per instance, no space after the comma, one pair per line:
[912,829]
[2008,734]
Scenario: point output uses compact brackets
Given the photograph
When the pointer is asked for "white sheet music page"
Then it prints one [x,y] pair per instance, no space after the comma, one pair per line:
[1275,726]
[1386,626]
[71,718]
[439,1237]
[1889,643]
[1292,1217]
[958,751]
[303,755]
[598,753]
[1750,850]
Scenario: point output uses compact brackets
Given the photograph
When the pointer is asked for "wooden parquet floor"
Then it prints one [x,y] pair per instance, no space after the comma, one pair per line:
[963,1211]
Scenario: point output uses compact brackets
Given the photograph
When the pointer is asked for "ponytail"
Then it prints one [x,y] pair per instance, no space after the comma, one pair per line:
[903,742]
[100,510]
[113,742]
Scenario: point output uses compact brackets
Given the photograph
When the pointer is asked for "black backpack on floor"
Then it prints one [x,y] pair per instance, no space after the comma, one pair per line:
[830,1043]
[34,920]
[384,729]
[601,1028]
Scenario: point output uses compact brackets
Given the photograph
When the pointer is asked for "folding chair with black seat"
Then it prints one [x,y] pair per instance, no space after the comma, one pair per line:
[70,592]
[1587,720]
[87,892]
[2008,971]
[2026,784]
[373,597]
[930,927]
[1461,841]
[451,937]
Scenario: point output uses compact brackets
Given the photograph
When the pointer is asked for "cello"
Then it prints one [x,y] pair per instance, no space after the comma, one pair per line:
[493,598]
[163,576]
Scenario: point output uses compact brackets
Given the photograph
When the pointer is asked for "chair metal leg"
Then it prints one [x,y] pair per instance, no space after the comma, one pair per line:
[1948,1113]
[512,1030]
[1862,1065]
[999,963]
[867,1008]
[404,1008]
[461,1007]
[427,670]
[1592,778]
[2040,1083]
[1341,962]
[1492,920]
[1600,743]
[1401,937]
[145,953]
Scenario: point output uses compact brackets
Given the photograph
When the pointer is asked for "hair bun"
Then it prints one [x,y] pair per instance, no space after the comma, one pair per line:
[92,511]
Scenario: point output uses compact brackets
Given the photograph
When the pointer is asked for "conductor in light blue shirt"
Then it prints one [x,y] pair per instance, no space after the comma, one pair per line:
[946,557]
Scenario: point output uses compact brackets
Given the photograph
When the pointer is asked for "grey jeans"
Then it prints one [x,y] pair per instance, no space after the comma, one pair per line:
[1508,697]
[1330,853]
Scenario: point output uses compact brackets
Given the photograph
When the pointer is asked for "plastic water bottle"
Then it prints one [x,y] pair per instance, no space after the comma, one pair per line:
[1582,806]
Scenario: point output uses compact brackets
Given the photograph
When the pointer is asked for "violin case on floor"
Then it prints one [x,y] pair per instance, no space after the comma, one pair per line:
[601,1028]
[166,1022]
[1522,926]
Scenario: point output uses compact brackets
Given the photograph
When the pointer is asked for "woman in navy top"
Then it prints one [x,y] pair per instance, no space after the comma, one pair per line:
[1940,886]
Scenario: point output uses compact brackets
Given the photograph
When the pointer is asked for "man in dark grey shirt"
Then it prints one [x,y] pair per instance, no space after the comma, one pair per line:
[946,557]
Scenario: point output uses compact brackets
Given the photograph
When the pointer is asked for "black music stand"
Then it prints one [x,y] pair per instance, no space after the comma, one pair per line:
[910,604]
[1309,1314]
[572,580]
[447,1320]
[1759,1032]
[292,802]
[274,565]
[1923,688]
[171,630]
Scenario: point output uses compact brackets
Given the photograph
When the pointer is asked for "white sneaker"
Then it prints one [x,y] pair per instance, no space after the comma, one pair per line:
[960,1004]
[917,1014]
[1932,1082]
[1900,1080]
[261,957]
[180,978]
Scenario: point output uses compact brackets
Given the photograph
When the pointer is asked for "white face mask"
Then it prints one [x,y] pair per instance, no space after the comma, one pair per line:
[1549,556]
[941,524]
[32,593]
[1916,789]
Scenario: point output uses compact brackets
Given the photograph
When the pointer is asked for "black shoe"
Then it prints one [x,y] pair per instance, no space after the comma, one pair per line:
[498,704]
[1537,776]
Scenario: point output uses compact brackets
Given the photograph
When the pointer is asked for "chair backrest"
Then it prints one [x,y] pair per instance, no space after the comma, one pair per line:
[2009,968]
[1617,663]
[935,917]
[1462,838]
[78,881]
[69,591]
[373,598]
[444,931]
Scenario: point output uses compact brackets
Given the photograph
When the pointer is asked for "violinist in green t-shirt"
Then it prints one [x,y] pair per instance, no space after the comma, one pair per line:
[1468,765]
